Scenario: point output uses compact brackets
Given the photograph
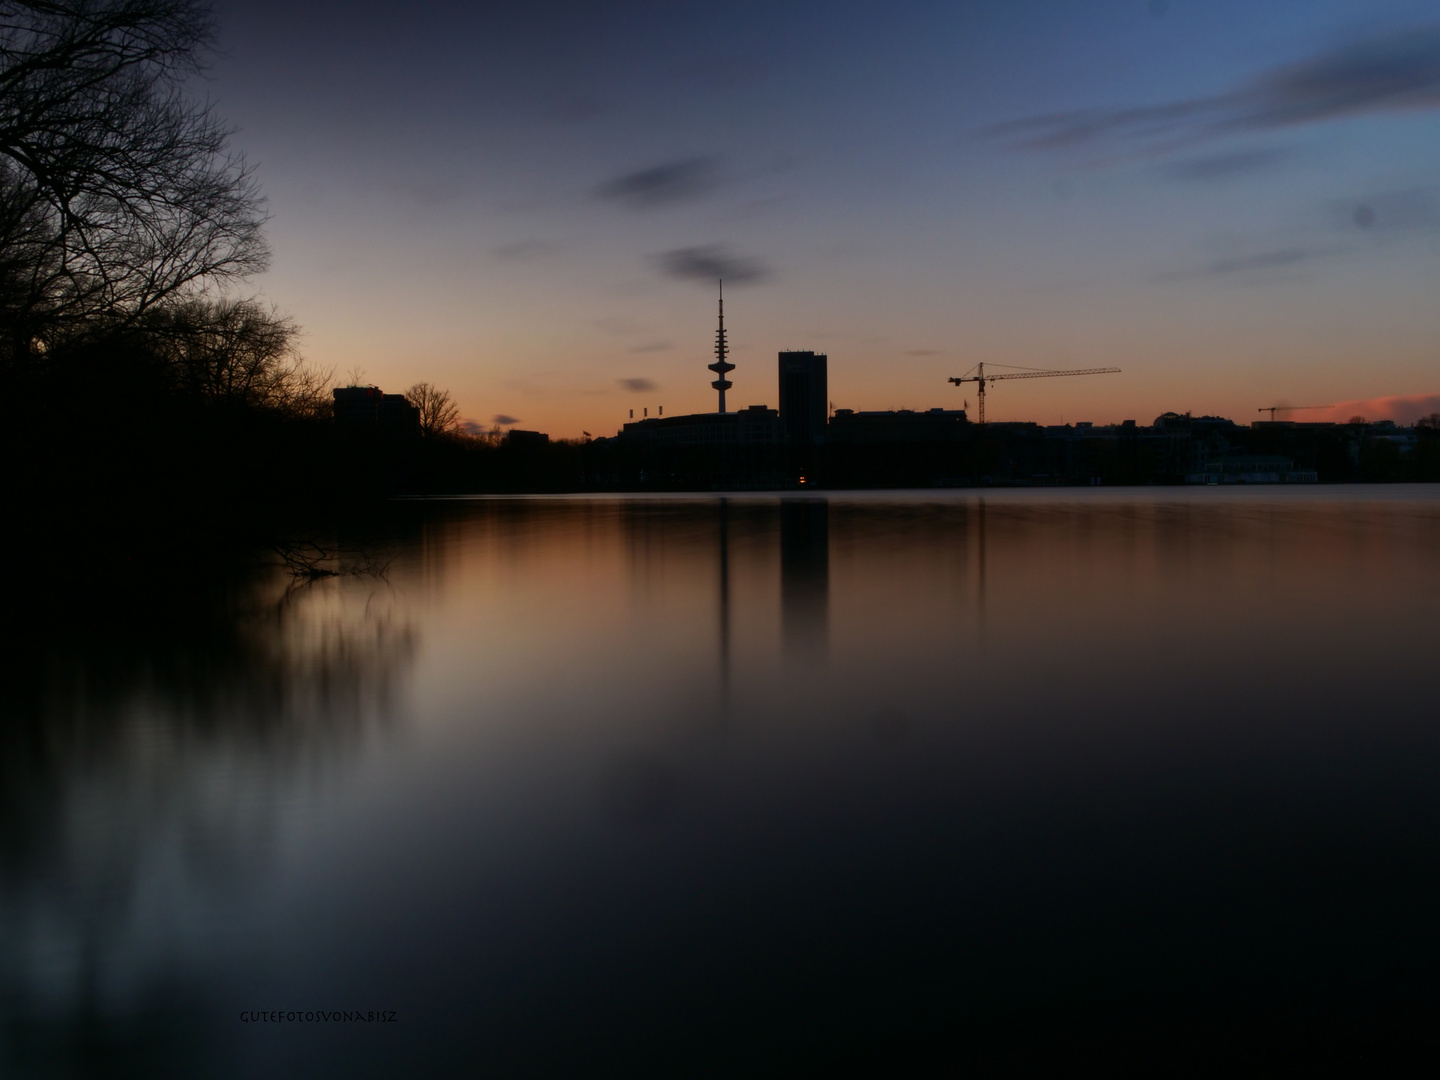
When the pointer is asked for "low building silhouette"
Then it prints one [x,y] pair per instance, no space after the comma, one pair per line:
[369,406]
[897,426]
[757,425]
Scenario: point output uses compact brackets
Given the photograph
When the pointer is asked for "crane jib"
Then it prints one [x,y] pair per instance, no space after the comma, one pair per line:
[980,378]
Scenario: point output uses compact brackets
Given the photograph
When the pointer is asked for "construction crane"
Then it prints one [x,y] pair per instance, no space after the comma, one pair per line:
[980,378]
[1273,409]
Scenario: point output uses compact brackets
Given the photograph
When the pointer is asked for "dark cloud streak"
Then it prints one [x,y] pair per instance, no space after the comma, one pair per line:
[1391,74]
[637,386]
[1279,258]
[1264,260]
[1388,74]
[1226,166]
[663,185]
[710,263]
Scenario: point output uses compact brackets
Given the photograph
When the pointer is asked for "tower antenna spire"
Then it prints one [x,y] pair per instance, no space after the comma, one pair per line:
[722,366]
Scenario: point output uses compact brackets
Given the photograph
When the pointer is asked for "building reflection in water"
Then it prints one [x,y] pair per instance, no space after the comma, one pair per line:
[805,579]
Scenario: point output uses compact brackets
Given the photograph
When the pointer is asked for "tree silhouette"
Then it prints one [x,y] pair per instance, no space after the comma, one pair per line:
[439,415]
[236,352]
[117,192]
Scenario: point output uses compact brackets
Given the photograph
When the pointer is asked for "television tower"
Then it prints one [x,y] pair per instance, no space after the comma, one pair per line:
[721,366]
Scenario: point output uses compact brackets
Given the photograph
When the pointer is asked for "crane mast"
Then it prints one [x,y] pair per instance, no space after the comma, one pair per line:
[980,379]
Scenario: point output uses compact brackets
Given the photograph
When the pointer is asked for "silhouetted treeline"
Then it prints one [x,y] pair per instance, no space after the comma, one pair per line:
[134,389]
[119,191]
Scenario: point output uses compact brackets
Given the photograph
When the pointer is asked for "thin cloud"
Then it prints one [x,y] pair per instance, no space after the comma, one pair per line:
[922,352]
[663,185]
[1396,73]
[1390,74]
[1225,166]
[637,386]
[1059,131]
[1266,260]
[1254,262]
[710,263]
[652,346]
[505,421]
[523,251]
[1355,226]
[1414,210]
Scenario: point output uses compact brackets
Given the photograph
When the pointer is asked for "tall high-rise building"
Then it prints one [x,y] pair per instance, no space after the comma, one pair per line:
[804,397]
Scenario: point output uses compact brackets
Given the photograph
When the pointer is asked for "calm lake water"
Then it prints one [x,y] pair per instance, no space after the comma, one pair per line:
[738,787]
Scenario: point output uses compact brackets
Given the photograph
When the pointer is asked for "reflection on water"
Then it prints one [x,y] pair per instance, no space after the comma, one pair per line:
[139,777]
[689,786]
[724,600]
[805,577]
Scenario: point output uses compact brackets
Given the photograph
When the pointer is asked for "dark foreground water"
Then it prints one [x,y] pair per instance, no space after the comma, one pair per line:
[757,786]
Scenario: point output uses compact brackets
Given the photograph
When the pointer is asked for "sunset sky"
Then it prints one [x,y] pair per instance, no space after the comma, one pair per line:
[1235,201]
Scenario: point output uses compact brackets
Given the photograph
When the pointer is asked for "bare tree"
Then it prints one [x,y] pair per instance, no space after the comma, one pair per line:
[117,191]
[438,414]
[237,352]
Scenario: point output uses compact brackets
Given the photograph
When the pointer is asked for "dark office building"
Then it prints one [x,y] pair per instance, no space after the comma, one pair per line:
[804,397]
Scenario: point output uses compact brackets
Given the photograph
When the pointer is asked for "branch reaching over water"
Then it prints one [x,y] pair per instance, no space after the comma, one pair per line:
[308,561]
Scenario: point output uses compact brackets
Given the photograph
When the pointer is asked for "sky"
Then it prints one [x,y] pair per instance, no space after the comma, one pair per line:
[1236,202]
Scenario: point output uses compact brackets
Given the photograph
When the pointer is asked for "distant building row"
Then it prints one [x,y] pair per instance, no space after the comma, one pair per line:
[800,420]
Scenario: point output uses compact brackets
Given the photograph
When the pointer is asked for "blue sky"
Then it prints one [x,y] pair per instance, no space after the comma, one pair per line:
[1236,203]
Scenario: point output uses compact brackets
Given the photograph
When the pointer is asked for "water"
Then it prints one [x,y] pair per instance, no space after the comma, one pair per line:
[746,786]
